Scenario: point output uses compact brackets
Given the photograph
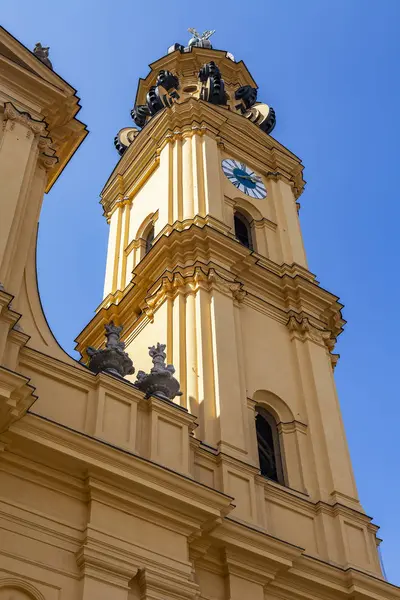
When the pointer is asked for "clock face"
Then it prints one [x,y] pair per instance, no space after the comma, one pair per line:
[244,178]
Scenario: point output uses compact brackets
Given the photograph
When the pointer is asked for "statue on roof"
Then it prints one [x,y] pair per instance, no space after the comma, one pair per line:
[42,53]
[200,40]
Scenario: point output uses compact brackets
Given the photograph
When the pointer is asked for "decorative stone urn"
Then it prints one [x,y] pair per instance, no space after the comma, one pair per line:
[160,382]
[112,359]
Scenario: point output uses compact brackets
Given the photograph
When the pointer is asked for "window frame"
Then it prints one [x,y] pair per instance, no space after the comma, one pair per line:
[238,215]
[276,441]
[148,236]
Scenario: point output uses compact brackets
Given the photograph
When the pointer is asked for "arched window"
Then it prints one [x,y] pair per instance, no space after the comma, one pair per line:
[268,446]
[242,230]
[149,237]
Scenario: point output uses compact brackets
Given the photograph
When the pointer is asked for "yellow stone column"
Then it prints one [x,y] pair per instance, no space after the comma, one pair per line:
[18,159]
[329,467]
[288,223]
[229,400]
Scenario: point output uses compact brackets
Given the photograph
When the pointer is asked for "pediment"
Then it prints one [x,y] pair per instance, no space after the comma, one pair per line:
[15,52]
[32,87]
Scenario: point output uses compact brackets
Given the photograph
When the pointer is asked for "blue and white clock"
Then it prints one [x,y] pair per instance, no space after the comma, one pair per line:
[244,178]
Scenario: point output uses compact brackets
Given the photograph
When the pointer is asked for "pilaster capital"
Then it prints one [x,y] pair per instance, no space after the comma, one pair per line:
[12,115]
[303,329]
[189,283]
[36,128]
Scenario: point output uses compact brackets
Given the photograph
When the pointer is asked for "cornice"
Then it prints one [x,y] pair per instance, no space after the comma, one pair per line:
[162,584]
[283,292]
[47,477]
[41,92]
[255,547]
[97,563]
[115,496]
[239,137]
[311,577]
[16,396]
[125,470]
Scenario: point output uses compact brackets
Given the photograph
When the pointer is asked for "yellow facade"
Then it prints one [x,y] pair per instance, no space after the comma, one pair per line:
[105,493]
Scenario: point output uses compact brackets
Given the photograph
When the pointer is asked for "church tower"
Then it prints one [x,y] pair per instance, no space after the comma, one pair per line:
[197,450]
[206,255]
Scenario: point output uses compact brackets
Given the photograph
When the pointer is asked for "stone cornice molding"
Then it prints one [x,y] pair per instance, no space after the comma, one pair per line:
[126,471]
[313,578]
[279,291]
[195,117]
[156,583]
[54,99]
[97,563]
[256,549]
[16,396]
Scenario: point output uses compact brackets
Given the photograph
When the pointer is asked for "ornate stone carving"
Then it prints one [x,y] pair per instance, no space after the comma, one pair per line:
[42,53]
[33,125]
[189,283]
[160,381]
[213,86]
[112,359]
[301,328]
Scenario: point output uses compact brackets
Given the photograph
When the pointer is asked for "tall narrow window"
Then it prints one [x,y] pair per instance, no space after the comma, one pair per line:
[242,230]
[149,239]
[268,446]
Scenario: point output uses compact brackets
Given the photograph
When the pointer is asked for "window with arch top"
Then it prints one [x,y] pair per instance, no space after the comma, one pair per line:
[268,446]
[149,238]
[242,230]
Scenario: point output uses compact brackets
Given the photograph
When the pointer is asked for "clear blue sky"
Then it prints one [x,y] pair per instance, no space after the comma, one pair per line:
[331,71]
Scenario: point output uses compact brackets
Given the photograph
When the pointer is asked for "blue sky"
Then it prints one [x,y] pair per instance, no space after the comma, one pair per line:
[331,71]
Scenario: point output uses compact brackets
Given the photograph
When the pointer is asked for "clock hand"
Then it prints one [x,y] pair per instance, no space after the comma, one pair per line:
[254,179]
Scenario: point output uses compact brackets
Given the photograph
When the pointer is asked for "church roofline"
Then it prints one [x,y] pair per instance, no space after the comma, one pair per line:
[54,100]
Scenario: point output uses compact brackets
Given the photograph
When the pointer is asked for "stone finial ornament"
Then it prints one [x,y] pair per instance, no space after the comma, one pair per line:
[42,53]
[160,381]
[112,359]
